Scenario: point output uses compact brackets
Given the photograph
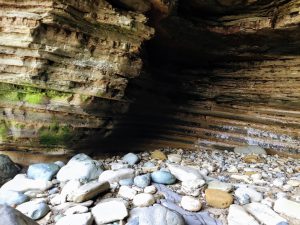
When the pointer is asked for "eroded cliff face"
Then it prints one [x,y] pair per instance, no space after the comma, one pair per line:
[64,68]
[218,74]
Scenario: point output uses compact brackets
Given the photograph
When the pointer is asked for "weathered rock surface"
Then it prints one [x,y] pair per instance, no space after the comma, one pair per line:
[8,169]
[238,216]
[11,216]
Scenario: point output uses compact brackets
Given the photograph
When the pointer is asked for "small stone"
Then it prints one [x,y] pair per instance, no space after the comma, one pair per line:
[143,200]
[288,208]
[112,176]
[278,182]
[12,198]
[67,190]
[244,194]
[80,167]
[117,166]
[252,159]
[158,155]
[142,181]
[268,201]
[232,169]
[190,203]
[8,169]
[33,209]
[163,177]
[106,212]
[192,187]
[22,184]
[88,191]
[218,198]
[256,176]
[287,187]
[238,216]
[127,192]
[43,171]
[220,186]
[174,158]
[183,173]
[294,182]
[131,158]
[249,149]
[265,214]
[78,209]
[150,189]
[76,219]
[11,216]
[126,182]
[281,195]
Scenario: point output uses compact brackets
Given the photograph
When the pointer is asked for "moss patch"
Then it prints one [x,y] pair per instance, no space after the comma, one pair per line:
[3,131]
[55,135]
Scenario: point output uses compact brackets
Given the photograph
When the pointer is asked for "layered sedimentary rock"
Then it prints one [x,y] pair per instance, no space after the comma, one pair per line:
[64,67]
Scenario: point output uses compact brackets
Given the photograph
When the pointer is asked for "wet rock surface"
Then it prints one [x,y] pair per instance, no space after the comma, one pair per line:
[208,191]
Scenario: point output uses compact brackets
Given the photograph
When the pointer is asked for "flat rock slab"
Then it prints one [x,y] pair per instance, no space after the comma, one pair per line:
[288,208]
[238,216]
[184,173]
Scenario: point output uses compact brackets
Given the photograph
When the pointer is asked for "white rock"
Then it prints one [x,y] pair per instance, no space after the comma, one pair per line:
[249,149]
[192,187]
[88,191]
[254,195]
[238,216]
[150,189]
[22,184]
[78,209]
[184,173]
[294,182]
[69,189]
[288,208]
[117,166]
[76,219]
[190,203]
[256,176]
[34,209]
[110,211]
[265,214]
[112,176]
[278,182]
[174,158]
[268,201]
[232,169]
[287,187]
[127,192]
[220,186]
[80,167]
[143,200]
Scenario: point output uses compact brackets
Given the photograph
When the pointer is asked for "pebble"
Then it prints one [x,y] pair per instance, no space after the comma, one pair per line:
[131,158]
[238,216]
[142,181]
[34,209]
[155,215]
[127,192]
[112,176]
[150,189]
[88,191]
[163,177]
[191,204]
[174,158]
[288,208]
[43,171]
[106,212]
[76,219]
[192,187]
[22,184]
[294,182]
[8,169]
[244,194]
[143,200]
[265,214]
[183,173]
[218,198]
[11,216]
[117,166]
[126,182]
[80,167]
[249,149]
[12,198]
[278,182]
[252,159]
[78,209]
[220,186]
[232,169]
[158,155]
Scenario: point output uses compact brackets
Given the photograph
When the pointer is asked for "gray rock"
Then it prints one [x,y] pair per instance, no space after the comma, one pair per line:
[131,158]
[184,173]
[43,171]
[155,215]
[13,198]
[76,219]
[34,209]
[8,169]
[126,182]
[249,149]
[80,167]
[220,186]
[192,187]
[142,181]
[11,216]
[243,193]
[163,177]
